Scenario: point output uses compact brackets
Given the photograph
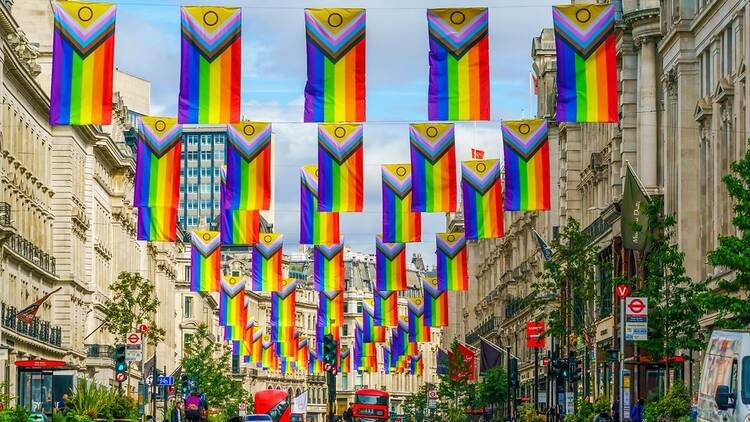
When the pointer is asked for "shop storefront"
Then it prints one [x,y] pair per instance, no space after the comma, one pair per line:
[42,383]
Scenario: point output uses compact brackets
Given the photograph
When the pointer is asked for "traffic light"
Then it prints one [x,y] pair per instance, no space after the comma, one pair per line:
[185,384]
[329,352]
[513,372]
[121,366]
[561,368]
[574,369]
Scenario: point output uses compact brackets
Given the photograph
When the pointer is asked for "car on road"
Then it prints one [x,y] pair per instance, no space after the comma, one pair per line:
[724,394]
[258,418]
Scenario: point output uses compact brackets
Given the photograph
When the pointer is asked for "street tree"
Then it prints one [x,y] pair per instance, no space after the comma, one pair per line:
[208,365]
[674,310]
[566,289]
[455,390]
[415,405]
[729,297]
[493,389]
[133,302]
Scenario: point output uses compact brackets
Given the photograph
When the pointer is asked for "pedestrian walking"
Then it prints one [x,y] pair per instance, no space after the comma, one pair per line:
[636,413]
[349,413]
[177,412]
[195,407]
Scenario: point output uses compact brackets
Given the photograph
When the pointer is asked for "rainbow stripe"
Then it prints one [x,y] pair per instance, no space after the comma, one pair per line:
[210,74]
[435,304]
[386,308]
[345,361]
[316,365]
[371,333]
[240,227]
[335,90]
[287,343]
[400,224]
[256,348]
[283,311]
[315,227]
[390,265]
[266,263]
[417,365]
[418,331]
[205,261]
[330,311]
[303,354]
[248,158]
[233,333]
[157,224]
[365,354]
[482,193]
[232,310]
[249,335]
[433,166]
[387,359]
[459,64]
[452,262]
[341,170]
[586,63]
[268,360]
[82,63]
[328,264]
[527,165]
[157,178]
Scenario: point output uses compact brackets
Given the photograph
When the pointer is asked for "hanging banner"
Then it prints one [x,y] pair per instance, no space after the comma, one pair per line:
[527,166]
[419,332]
[266,264]
[386,308]
[459,64]
[328,267]
[535,335]
[481,186]
[341,169]
[232,302]
[283,311]
[205,261]
[83,52]
[248,158]
[586,63]
[157,178]
[316,227]
[400,223]
[390,265]
[452,262]
[239,227]
[335,90]
[435,304]
[371,333]
[210,73]
[433,166]
[331,310]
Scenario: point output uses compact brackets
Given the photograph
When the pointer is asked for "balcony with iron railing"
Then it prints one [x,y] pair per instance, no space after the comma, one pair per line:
[4,214]
[38,329]
[7,3]
[32,253]
[486,327]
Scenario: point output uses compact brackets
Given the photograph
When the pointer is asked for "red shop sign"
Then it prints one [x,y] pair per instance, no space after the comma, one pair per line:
[39,363]
[535,334]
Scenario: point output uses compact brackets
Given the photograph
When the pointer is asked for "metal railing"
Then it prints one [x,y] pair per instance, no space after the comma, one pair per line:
[7,3]
[4,214]
[38,329]
[99,351]
[597,228]
[486,327]
[32,253]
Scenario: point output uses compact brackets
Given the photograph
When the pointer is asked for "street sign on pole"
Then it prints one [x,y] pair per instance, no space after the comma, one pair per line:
[143,328]
[164,380]
[622,291]
[636,319]
[133,347]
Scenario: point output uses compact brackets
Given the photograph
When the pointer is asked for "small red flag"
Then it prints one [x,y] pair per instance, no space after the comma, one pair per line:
[468,356]
[477,154]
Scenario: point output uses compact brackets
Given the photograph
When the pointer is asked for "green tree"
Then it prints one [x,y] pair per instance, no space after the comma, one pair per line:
[415,405]
[455,391]
[674,310]
[728,299]
[567,286]
[493,389]
[133,302]
[208,366]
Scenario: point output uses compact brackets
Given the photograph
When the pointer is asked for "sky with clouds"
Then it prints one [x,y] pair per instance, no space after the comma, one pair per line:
[274,75]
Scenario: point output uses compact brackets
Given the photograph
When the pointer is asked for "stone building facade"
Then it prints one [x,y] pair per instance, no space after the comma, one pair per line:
[682,93]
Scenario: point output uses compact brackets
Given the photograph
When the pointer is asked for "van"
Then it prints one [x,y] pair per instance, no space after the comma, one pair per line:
[724,394]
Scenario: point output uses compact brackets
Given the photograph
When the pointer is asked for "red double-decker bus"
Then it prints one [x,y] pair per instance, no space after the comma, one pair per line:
[274,403]
[370,405]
